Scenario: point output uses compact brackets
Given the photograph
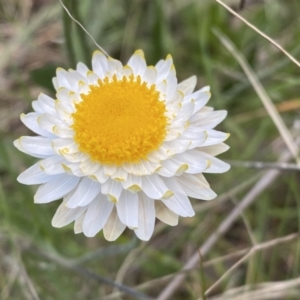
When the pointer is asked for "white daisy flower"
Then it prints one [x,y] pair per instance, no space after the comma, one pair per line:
[122,145]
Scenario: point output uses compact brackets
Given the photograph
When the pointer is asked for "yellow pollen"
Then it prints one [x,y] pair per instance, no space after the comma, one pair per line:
[120,121]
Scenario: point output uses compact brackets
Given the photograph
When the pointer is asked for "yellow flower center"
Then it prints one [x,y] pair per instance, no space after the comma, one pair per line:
[120,121]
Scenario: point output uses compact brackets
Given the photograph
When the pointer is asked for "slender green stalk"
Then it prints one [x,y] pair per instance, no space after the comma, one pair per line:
[67,23]
[81,46]
[202,277]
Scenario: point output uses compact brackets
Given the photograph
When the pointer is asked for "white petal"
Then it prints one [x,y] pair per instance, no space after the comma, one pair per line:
[165,150]
[97,215]
[206,109]
[55,83]
[172,135]
[109,170]
[34,175]
[133,183]
[73,169]
[146,216]
[128,209]
[196,136]
[162,87]
[99,64]
[215,137]
[187,86]
[114,66]
[78,224]
[56,189]
[132,168]
[171,85]
[166,171]
[155,188]
[86,191]
[163,68]
[63,95]
[64,111]
[82,69]
[200,98]
[180,205]
[30,121]
[140,168]
[47,122]
[36,107]
[120,175]
[196,186]
[185,112]
[173,109]
[63,130]
[149,166]
[215,150]
[62,80]
[44,104]
[205,89]
[150,75]
[208,120]
[76,80]
[176,100]
[193,160]
[35,146]
[127,71]
[172,166]
[113,227]
[76,157]
[83,87]
[137,63]
[165,215]
[64,146]
[99,175]
[215,165]
[65,215]
[159,64]
[157,156]
[92,78]
[53,165]
[89,167]
[112,189]
[175,146]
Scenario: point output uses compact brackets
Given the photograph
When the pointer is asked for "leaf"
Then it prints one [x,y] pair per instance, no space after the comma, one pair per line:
[43,76]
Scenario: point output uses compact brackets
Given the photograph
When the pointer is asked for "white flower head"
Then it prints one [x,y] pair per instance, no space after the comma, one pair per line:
[122,145]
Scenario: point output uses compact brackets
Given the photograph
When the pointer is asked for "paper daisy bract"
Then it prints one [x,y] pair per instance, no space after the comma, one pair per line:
[122,145]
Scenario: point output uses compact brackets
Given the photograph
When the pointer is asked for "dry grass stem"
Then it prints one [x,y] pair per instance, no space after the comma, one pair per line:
[286,106]
[263,95]
[25,280]
[287,289]
[259,247]
[82,27]
[66,263]
[127,263]
[264,165]
[250,197]
[294,60]
[246,223]
[252,251]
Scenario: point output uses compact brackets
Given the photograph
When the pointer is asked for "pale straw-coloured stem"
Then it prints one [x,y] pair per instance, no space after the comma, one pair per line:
[82,27]
[268,178]
[259,247]
[264,165]
[293,59]
[252,251]
[263,95]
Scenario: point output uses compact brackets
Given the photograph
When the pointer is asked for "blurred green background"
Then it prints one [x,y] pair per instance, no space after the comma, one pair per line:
[36,36]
